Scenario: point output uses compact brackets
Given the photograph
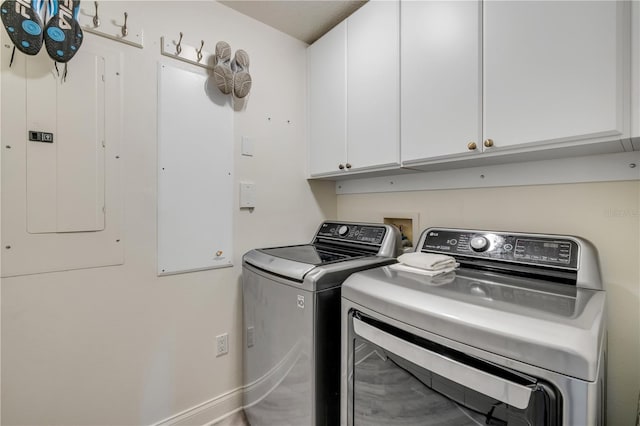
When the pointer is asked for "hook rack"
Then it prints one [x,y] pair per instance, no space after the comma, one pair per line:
[109,28]
[199,51]
[186,53]
[125,30]
[179,45]
[96,19]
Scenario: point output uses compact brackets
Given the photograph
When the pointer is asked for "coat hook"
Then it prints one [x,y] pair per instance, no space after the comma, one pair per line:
[178,47]
[125,31]
[96,19]
[199,51]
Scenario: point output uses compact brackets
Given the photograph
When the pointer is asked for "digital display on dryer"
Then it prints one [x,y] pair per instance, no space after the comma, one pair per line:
[370,234]
[541,250]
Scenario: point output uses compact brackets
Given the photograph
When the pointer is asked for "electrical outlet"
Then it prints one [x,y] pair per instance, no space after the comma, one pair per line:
[222,344]
[250,336]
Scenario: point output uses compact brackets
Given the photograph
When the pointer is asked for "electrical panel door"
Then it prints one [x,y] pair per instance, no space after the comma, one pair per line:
[65,166]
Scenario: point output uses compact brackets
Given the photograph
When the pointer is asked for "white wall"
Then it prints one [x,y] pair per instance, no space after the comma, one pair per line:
[118,345]
[607,214]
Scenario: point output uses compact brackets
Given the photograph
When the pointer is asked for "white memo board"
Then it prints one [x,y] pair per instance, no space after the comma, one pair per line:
[195,161]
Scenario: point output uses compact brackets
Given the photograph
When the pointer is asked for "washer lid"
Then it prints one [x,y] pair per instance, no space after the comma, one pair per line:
[293,269]
[527,320]
[295,262]
[313,254]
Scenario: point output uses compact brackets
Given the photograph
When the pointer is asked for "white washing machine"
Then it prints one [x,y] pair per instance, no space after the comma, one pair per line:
[291,298]
[515,336]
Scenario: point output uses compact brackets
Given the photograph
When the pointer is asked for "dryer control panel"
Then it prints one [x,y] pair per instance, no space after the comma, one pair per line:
[353,232]
[532,249]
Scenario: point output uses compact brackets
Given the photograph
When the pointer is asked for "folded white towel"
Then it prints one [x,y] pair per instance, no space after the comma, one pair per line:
[421,271]
[427,261]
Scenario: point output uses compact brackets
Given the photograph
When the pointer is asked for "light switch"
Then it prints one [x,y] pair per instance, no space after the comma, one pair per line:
[247,195]
[247,146]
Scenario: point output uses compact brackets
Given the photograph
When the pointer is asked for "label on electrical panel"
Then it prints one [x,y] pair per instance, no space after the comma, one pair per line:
[300,302]
[36,136]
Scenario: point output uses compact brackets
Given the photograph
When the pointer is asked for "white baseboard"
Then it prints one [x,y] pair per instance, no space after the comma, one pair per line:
[229,403]
[208,412]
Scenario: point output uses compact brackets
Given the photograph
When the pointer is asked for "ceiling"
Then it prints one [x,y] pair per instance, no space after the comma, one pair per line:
[305,20]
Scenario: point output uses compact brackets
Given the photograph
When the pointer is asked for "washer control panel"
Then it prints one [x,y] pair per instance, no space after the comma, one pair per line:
[536,249]
[368,234]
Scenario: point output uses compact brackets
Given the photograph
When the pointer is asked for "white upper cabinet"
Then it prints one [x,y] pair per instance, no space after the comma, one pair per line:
[354,73]
[553,71]
[373,73]
[327,101]
[426,82]
[512,76]
[441,80]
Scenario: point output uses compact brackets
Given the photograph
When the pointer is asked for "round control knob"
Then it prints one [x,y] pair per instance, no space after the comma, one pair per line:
[479,243]
[342,231]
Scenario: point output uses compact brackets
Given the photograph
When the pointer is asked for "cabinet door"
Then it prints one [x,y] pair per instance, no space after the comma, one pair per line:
[373,85]
[552,71]
[327,101]
[440,83]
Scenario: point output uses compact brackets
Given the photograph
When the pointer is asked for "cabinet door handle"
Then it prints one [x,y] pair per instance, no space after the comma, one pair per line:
[472,146]
[488,143]
[341,166]
[348,166]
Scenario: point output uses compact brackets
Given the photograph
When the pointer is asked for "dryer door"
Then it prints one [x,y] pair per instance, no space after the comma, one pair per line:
[399,378]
